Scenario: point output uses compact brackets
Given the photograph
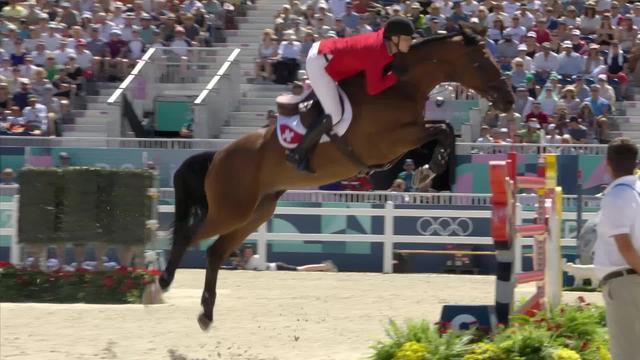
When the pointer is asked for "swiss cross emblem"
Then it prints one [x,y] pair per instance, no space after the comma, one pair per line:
[288,135]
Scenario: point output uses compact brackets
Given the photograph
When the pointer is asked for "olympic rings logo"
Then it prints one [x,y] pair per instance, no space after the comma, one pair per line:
[445,226]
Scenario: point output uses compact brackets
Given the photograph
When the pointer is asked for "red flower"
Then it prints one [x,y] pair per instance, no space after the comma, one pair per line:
[154,272]
[81,270]
[108,281]
[4,264]
[122,269]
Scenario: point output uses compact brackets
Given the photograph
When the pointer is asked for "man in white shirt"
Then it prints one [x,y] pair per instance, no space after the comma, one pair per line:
[84,57]
[617,250]
[51,38]
[62,54]
[545,62]
[516,30]
[338,7]
[470,7]
[40,54]
[35,115]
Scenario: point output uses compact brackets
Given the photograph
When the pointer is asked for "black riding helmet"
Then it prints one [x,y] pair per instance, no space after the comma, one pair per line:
[398,26]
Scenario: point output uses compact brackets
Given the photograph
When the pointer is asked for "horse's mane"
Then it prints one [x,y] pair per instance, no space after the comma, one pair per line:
[469,38]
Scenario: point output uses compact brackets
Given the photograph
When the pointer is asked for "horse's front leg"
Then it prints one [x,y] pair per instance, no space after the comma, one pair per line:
[445,136]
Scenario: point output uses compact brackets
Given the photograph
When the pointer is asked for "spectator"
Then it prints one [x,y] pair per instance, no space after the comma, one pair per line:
[606,91]
[147,29]
[116,62]
[510,120]
[518,74]
[39,81]
[287,63]
[537,115]
[8,176]
[594,62]
[407,175]
[398,185]
[570,101]
[569,63]
[599,105]
[507,50]
[531,135]
[544,63]
[51,67]
[20,98]
[523,102]
[616,62]
[40,54]
[341,29]
[84,57]
[36,117]
[590,21]
[526,60]
[605,32]
[582,92]
[433,28]
[571,19]
[542,33]
[5,98]
[552,137]
[62,53]
[485,135]
[627,33]
[548,101]
[579,46]
[578,133]
[517,31]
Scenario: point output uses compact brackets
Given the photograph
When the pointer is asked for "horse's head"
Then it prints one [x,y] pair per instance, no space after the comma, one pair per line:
[461,58]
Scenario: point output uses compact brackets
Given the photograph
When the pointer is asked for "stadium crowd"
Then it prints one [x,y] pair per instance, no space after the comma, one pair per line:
[52,50]
[567,61]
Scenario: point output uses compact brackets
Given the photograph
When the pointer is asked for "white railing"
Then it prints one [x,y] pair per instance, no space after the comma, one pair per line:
[209,144]
[436,199]
[388,237]
[211,109]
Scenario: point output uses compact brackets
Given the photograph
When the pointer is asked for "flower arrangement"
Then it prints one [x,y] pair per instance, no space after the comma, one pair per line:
[570,332]
[120,286]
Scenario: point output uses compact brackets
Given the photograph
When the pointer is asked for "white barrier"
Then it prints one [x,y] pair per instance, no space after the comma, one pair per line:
[387,237]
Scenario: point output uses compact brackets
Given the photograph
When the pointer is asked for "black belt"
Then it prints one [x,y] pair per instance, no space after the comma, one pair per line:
[617,274]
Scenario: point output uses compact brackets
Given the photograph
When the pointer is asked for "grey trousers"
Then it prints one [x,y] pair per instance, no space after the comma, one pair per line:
[622,298]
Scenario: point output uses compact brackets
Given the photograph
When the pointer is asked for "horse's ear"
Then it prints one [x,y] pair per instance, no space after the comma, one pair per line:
[469,37]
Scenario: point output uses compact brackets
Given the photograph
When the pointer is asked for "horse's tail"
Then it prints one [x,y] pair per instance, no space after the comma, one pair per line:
[190,198]
[190,209]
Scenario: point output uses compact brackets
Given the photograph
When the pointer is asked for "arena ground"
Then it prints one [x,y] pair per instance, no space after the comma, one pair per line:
[259,316]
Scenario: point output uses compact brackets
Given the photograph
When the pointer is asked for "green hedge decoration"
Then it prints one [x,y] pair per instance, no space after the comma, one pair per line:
[84,205]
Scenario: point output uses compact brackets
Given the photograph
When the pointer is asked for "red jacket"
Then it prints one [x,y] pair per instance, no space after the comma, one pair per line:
[351,55]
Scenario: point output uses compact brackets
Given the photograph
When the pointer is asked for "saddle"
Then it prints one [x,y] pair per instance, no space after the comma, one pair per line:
[305,105]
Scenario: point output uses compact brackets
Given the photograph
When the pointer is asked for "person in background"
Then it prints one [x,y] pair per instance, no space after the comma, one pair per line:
[8,177]
[485,135]
[407,175]
[248,260]
[617,250]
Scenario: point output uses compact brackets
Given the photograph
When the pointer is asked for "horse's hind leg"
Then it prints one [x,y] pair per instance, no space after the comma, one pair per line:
[223,247]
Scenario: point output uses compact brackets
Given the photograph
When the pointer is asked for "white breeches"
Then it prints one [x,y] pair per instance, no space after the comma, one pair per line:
[325,87]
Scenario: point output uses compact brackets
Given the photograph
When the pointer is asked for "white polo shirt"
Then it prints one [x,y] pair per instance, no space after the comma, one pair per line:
[619,214]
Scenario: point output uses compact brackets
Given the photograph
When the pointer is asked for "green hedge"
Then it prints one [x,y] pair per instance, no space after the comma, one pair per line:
[83,205]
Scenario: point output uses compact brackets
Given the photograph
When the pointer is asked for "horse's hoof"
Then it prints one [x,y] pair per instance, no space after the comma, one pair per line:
[164,282]
[204,322]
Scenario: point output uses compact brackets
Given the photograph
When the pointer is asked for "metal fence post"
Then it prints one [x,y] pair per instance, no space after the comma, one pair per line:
[387,247]
[262,241]
[15,255]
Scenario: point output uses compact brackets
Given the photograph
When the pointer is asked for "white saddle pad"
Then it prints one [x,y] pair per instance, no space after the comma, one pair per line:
[290,129]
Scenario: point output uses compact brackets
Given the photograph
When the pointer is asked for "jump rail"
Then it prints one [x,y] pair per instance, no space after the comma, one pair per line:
[506,231]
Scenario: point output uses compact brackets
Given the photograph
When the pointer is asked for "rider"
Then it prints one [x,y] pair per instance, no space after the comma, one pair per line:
[332,60]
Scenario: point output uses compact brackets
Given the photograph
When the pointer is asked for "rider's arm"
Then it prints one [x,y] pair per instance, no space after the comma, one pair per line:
[378,80]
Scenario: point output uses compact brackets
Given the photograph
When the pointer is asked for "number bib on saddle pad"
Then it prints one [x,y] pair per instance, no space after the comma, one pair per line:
[296,112]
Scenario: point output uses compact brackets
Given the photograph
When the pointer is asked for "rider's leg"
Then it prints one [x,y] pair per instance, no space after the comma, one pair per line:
[326,90]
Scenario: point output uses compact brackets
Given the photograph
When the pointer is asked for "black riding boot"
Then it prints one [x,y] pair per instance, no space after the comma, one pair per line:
[300,155]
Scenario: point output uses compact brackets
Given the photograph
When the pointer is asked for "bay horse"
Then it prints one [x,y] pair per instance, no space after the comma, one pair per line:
[245,179]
